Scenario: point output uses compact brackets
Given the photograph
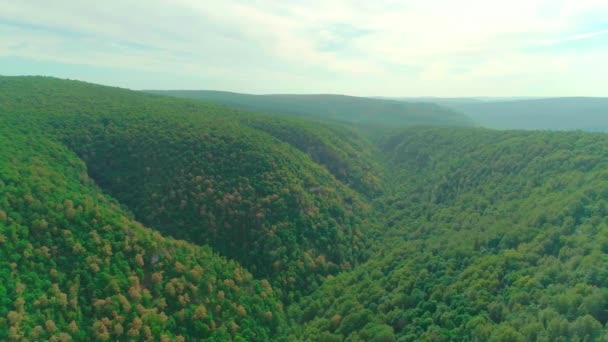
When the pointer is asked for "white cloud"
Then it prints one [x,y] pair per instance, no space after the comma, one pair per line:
[580,36]
[429,47]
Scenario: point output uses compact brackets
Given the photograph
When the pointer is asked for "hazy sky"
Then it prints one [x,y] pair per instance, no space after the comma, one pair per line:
[391,48]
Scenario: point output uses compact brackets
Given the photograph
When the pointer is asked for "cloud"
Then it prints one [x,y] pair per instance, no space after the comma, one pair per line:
[343,46]
[576,37]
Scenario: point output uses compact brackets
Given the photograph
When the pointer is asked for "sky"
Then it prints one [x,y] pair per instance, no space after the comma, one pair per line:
[368,48]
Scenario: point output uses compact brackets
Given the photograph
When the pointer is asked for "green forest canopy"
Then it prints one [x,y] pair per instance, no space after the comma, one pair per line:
[419,233]
[75,265]
[199,172]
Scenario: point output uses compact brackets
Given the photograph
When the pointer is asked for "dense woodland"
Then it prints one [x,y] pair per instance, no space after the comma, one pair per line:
[74,265]
[132,216]
[490,236]
[195,172]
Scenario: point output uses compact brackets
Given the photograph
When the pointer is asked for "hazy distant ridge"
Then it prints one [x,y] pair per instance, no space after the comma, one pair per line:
[350,109]
[562,113]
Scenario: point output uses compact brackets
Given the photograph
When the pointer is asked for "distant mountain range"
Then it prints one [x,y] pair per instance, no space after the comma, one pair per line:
[563,113]
[444,100]
[529,113]
[346,109]
[134,216]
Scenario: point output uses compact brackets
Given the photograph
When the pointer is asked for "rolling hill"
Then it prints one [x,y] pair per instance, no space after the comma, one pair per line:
[574,113]
[74,265]
[195,172]
[489,236]
[340,108]
[133,216]
[558,114]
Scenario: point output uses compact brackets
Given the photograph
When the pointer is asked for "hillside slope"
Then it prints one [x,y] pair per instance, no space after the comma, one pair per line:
[490,236]
[434,233]
[347,109]
[343,152]
[75,266]
[194,171]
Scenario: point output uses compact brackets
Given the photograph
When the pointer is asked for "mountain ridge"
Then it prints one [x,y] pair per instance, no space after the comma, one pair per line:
[552,113]
[291,229]
[340,108]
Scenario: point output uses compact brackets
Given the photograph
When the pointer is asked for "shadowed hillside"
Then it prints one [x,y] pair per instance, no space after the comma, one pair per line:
[193,171]
[74,265]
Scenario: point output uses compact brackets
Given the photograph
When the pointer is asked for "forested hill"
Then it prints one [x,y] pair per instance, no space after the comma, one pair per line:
[490,236]
[212,175]
[347,109]
[134,216]
[75,265]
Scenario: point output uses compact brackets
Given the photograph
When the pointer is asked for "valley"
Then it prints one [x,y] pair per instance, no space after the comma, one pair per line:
[130,215]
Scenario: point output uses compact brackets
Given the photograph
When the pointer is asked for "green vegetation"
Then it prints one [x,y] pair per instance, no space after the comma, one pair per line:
[419,233]
[74,265]
[191,170]
[343,153]
[346,109]
[490,236]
